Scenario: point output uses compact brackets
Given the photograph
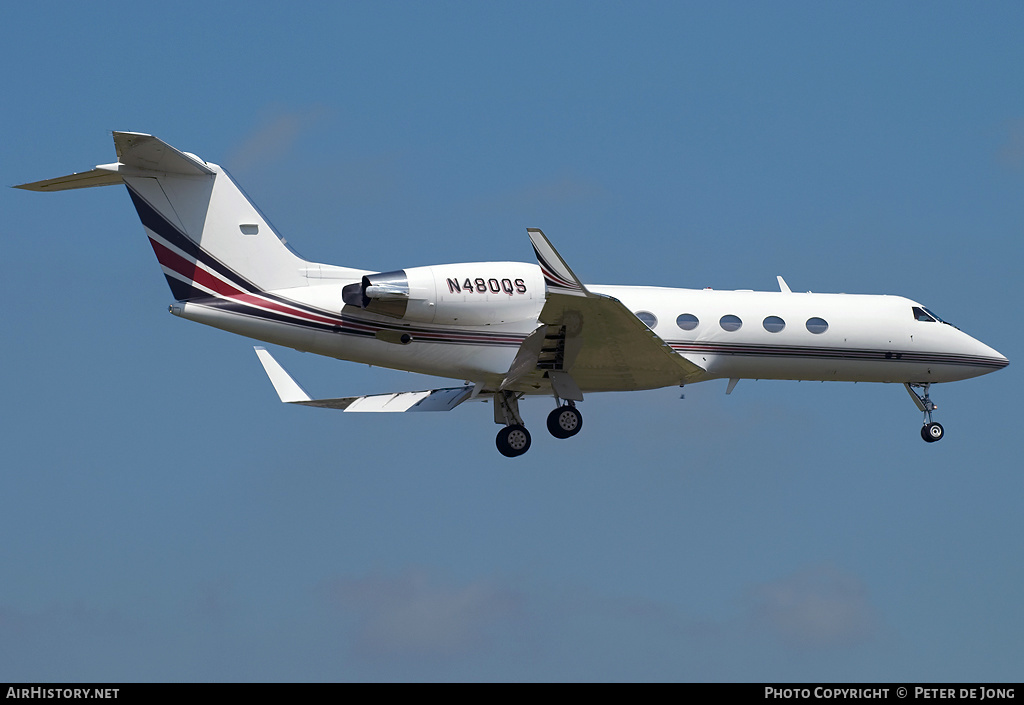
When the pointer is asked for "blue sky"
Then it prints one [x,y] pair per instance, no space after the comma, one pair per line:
[165,518]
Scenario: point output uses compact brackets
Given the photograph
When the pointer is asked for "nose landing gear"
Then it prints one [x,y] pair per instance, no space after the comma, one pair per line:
[931,431]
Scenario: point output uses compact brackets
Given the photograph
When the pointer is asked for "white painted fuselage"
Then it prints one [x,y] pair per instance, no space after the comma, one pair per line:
[865,338]
[506,328]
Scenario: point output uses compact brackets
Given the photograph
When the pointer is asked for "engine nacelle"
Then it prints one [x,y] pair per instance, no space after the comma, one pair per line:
[469,294]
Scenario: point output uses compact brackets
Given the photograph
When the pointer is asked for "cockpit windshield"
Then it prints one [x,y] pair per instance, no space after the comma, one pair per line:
[923,314]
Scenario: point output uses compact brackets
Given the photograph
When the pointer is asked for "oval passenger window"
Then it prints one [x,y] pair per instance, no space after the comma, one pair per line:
[649,319]
[730,322]
[817,325]
[687,321]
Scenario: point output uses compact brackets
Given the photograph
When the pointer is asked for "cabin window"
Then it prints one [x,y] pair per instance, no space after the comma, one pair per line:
[817,325]
[687,321]
[649,319]
[730,322]
[773,324]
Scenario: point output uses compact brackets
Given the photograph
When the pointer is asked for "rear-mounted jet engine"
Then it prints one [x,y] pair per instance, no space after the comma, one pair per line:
[484,293]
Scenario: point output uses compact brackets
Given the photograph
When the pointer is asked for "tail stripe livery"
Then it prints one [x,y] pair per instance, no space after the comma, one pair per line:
[197,276]
[557,275]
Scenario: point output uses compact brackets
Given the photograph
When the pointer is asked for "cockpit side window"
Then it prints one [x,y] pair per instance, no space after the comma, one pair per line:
[922,314]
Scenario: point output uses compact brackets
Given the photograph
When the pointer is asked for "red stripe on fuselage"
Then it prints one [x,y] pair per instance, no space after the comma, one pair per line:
[174,261]
[194,273]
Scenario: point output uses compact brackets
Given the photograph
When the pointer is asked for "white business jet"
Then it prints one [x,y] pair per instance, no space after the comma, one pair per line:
[510,329]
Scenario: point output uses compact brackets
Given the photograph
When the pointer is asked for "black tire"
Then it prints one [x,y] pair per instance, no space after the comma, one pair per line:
[565,422]
[513,441]
[932,432]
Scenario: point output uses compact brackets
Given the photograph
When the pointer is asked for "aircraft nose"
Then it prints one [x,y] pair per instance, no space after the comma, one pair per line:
[989,357]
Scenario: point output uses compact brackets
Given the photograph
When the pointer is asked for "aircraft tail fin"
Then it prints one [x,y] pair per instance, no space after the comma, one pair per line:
[209,238]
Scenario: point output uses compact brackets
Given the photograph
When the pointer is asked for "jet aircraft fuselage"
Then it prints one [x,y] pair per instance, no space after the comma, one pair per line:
[509,329]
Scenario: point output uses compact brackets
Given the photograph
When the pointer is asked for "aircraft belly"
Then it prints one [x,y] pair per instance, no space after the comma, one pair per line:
[456,361]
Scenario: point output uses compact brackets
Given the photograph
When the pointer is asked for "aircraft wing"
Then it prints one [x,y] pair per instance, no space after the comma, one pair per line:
[429,400]
[605,347]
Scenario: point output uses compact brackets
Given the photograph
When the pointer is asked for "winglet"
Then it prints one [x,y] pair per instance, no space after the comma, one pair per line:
[557,275]
[783,286]
[286,387]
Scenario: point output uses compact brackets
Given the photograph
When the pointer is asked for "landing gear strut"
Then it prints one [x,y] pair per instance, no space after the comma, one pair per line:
[513,440]
[931,431]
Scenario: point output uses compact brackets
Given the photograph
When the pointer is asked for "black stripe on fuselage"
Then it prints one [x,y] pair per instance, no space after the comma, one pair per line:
[807,352]
[349,325]
[182,291]
[155,221]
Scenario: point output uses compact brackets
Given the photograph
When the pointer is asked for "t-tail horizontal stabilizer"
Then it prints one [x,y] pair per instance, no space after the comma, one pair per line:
[138,154]
[429,400]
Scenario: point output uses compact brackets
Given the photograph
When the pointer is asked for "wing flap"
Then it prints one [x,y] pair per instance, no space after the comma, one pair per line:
[614,350]
[606,347]
[525,362]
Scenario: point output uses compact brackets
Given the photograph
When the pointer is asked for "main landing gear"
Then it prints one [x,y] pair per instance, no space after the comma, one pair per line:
[565,421]
[931,431]
[513,440]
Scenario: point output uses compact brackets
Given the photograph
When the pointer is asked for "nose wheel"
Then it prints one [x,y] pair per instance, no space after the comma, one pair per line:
[931,431]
